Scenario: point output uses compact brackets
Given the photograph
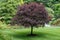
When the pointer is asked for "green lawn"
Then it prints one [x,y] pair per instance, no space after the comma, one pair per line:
[21,34]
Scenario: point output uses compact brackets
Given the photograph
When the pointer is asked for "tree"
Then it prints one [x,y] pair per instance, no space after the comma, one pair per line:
[31,15]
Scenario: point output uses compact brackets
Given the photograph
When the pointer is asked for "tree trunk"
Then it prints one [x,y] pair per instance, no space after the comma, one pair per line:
[43,24]
[31,30]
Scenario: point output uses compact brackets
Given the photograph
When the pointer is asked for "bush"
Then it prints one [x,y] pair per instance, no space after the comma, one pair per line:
[56,22]
[57,10]
[50,13]
[8,9]
[3,25]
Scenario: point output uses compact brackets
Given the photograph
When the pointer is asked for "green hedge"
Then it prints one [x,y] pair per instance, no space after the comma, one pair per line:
[8,9]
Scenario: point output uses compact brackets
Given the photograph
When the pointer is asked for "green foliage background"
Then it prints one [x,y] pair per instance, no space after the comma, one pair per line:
[8,9]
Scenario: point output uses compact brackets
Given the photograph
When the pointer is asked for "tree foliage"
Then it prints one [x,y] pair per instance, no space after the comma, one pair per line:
[31,14]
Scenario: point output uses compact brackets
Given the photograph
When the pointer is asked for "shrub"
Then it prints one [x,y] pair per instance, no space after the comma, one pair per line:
[8,9]
[56,8]
[50,13]
[56,22]
[3,25]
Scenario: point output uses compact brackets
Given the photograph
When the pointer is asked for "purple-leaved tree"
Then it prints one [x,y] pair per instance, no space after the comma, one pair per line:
[31,15]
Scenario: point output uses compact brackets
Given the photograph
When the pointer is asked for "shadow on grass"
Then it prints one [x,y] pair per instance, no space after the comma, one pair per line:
[23,35]
[39,35]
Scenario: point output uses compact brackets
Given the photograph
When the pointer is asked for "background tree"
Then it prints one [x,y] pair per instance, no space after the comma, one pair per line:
[31,15]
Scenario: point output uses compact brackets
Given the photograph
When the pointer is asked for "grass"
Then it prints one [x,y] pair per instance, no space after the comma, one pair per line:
[21,34]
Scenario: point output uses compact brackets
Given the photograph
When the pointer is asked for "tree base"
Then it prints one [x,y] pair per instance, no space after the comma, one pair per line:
[32,35]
